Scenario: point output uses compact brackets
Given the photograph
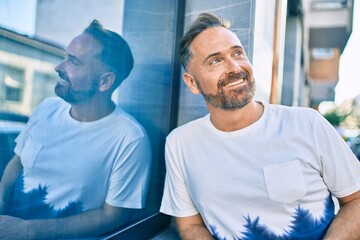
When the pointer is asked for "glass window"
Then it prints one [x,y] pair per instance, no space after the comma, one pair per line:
[323,53]
[36,58]
[14,83]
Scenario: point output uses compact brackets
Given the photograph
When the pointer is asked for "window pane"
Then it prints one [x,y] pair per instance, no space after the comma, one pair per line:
[14,83]
[74,158]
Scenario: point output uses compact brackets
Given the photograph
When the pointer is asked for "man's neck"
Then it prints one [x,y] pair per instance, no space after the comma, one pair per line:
[92,110]
[229,121]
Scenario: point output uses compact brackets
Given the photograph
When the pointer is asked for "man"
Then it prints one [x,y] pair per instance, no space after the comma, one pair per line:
[251,170]
[82,165]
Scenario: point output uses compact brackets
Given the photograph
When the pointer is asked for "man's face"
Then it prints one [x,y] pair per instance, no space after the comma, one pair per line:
[221,69]
[80,71]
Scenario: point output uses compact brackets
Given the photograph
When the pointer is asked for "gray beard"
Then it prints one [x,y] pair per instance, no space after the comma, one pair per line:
[234,100]
[75,96]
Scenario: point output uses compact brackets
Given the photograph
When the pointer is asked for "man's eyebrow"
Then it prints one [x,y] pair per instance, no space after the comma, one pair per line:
[218,53]
[237,46]
[210,56]
[70,55]
[73,57]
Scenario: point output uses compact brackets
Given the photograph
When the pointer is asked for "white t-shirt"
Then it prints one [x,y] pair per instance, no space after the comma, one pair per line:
[72,166]
[270,180]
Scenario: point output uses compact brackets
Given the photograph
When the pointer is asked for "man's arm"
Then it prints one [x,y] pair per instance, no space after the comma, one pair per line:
[346,224]
[12,171]
[86,224]
[192,228]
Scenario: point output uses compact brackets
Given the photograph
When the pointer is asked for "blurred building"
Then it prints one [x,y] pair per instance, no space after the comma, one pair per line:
[328,25]
[27,73]
[315,34]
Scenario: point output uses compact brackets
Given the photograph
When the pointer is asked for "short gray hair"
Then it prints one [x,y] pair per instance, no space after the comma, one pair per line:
[203,22]
[115,53]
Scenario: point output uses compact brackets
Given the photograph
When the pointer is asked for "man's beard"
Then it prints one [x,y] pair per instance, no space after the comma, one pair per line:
[67,92]
[234,99]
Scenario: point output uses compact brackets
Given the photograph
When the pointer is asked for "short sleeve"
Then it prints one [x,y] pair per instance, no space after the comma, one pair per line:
[176,199]
[130,177]
[340,167]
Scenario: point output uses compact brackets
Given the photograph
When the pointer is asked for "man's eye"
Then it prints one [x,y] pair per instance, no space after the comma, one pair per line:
[72,61]
[215,60]
[238,53]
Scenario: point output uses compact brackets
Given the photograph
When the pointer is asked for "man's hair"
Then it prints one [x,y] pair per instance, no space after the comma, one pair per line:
[203,22]
[116,53]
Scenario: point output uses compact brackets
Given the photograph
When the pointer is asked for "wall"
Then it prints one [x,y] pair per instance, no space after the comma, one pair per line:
[326,69]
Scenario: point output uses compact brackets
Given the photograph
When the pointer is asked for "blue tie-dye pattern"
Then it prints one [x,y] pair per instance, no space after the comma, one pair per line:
[303,226]
[32,205]
[215,233]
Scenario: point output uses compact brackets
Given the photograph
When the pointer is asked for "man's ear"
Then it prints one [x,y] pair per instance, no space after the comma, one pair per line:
[191,83]
[106,81]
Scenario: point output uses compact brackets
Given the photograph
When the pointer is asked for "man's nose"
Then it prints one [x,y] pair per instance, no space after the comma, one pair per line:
[232,66]
[59,67]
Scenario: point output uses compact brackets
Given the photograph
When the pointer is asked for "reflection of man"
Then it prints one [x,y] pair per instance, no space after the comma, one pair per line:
[251,170]
[82,165]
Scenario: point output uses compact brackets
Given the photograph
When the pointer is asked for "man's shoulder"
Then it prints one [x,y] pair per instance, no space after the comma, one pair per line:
[52,101]
[49,105]
[290,111]
[126,121]
[189,128]
[299,116]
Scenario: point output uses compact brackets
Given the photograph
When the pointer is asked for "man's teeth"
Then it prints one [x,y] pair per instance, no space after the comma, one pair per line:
[235,83]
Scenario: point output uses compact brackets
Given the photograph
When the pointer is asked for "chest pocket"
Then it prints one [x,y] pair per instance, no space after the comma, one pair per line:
[285,182]
[30,152]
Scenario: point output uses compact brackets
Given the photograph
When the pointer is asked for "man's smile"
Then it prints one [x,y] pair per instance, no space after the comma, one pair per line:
[240,81]
[234,80]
